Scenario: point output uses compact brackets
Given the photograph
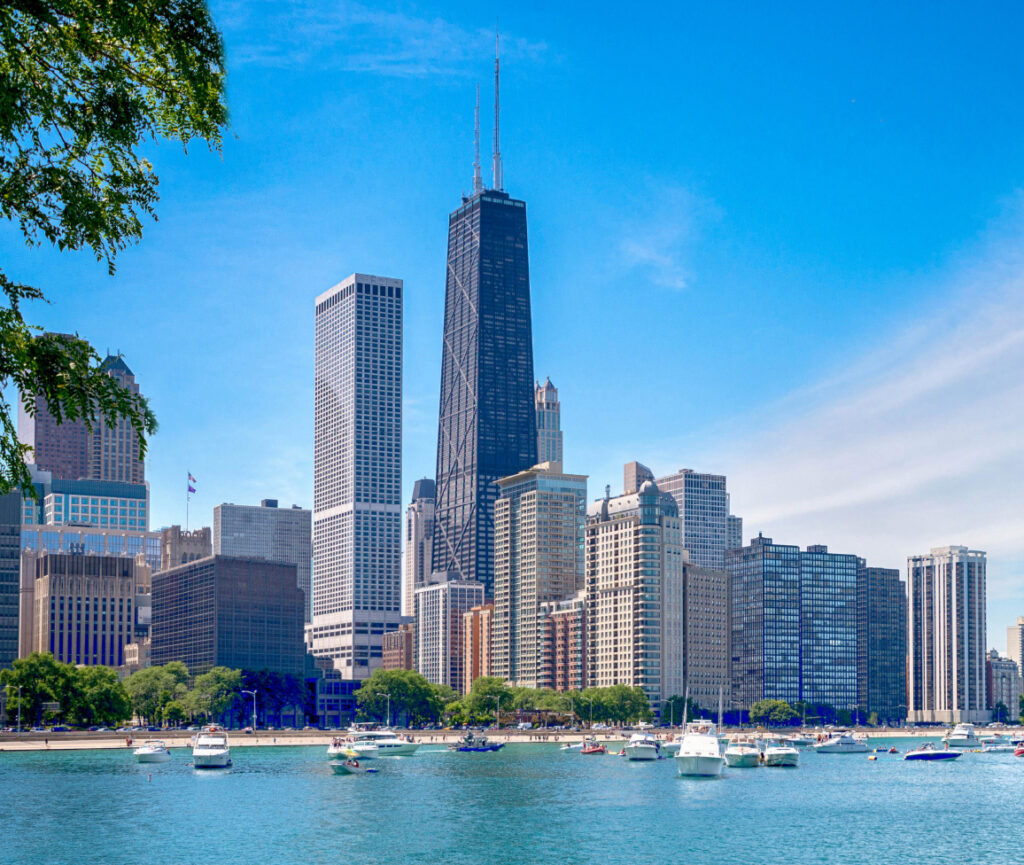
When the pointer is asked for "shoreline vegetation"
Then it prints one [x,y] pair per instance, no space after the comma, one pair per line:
[78,741]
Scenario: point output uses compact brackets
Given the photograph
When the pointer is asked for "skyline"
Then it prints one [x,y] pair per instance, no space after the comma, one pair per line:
[831,439]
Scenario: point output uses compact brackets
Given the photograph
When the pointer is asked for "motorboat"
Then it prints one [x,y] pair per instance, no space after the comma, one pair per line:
[801,741]
[780,753]
[962,736]
[841,743]
[700,755]
[381,743]
[642,746]
[210,749]
[571,746]
[998,746]
[153,751]
[592,746]
[476,744]
[340,747]
[742,755]
[928,751]
[351,766]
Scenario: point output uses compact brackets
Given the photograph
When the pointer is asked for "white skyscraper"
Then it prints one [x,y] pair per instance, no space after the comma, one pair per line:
[357,475]
[549,423]
[419,540]
[946,643]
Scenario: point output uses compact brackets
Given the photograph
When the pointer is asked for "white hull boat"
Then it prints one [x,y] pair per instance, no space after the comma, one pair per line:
[381,743]
[643,746]
[211,750]
[962,736]
[781,755]
[741,755]
[154,751]
[842,743]
[700,755]
[350,766]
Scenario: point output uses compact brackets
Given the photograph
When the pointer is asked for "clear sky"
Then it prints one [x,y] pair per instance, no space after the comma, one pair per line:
[781,244]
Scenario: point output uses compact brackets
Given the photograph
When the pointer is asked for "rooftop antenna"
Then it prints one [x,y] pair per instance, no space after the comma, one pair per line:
[478,183]
[497,113]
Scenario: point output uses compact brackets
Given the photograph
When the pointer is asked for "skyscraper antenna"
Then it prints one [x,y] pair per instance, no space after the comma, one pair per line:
[497,114]
[478,183]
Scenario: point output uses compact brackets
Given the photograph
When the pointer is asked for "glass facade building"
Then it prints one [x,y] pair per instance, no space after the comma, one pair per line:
[881,643]
[93,541]
[704,509]
[10,559]
[487,427]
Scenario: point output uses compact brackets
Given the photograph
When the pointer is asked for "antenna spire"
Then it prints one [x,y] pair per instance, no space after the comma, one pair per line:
[497,114]
[478,183]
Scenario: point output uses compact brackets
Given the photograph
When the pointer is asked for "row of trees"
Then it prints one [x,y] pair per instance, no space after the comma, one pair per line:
[41,688]
[52,691]
[414,700]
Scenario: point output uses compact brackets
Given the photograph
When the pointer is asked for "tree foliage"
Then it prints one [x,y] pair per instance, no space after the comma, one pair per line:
[676,708]
[153,688]
[83,85]
[86,695]
[414,700]
[213,692]
[774,713]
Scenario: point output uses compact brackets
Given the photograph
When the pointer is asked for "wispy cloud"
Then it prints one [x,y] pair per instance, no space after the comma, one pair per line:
[662,229]
[355,37]
[917,442]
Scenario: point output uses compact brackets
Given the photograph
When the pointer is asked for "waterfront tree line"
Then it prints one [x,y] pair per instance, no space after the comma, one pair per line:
[54,692]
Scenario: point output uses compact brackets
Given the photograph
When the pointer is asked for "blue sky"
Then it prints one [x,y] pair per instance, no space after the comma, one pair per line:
[784,245]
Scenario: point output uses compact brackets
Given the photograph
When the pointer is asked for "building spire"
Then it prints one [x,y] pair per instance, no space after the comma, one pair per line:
[478,183]
[497,114]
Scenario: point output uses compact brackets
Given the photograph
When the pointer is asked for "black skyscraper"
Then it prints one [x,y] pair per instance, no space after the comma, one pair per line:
[488,426]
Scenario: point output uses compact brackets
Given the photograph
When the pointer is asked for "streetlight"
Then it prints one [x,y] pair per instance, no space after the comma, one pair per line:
[19,708]
[253,692]
[572,711]
[382,694]
[591,701]
[497,709]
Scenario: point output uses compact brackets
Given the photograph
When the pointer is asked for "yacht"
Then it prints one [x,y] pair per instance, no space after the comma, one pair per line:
[153,751]
[340,747]
[642,746]
[841,743]
[962,736]
[928,751]
[780,753]
[742,755]
[700,755]
[381,743]
[210,749]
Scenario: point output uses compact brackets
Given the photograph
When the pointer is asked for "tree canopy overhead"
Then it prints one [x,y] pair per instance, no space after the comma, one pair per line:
[83,85]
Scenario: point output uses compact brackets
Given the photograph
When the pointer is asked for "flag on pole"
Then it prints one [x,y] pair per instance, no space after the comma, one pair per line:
[192,479]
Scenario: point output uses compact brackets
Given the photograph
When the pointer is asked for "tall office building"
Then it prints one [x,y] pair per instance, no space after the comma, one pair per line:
[487,419]
[267,532]
[1015,642]
[549,423]
[80,608]
[228,611]
[357,472]
[881,643]
[114,450]
[419,539]
[734,533]
[946,636]
[1003,685]
[86,502]
[179,546]
[794,624]
[92,540]
[10,568]
[538,557]
[708,634]
[477,643]
[440,623]
[704,510]
[634,593]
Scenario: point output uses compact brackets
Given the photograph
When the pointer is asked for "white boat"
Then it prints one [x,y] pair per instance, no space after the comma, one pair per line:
[643,746]
[742,755]
[962,736]
[340,747]
[800,741]
[841,743]
[572,746]
[210,749]
[780,754]
[156,751]
[700,755]
[350,766]
[381,743]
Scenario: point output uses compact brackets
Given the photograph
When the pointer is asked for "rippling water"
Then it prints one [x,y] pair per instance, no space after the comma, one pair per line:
[525,804]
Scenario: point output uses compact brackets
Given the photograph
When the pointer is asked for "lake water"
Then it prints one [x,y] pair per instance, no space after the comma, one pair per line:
[525,804]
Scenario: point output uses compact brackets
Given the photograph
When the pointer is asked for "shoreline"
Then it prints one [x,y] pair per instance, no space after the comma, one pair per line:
[77,741]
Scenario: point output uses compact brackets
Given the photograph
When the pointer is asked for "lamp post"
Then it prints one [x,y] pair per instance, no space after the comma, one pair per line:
[572,711]
[497,709]
[591,701]
[19,708]
[382,694]
[253,692]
